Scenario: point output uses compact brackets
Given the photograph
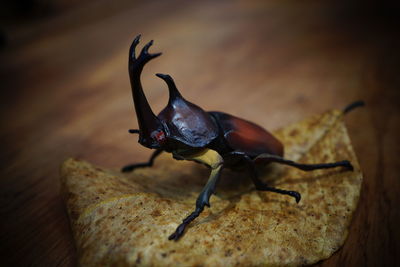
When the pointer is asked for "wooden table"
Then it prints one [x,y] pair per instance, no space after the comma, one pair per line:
[65,92]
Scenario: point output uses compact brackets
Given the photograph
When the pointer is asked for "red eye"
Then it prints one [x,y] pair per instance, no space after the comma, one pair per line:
[159,136]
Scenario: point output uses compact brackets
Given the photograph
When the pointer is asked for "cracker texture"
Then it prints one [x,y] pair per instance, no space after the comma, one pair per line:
[125,220]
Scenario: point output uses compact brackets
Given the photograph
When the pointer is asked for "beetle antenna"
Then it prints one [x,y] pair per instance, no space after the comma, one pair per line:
[353,105]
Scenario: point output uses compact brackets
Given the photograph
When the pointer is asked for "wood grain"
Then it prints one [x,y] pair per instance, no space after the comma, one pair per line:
[65,92]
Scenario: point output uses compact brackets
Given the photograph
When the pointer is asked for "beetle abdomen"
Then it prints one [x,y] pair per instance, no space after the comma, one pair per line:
[248,137]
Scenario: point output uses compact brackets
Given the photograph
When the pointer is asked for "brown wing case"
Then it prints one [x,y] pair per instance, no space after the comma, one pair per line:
[248,137]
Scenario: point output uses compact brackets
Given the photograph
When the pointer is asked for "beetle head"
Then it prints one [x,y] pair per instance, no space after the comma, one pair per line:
[151,129]
[180,123]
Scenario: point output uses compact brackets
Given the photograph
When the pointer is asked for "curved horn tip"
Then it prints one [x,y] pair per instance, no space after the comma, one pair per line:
[157,54]
[137,38]
[163,76]
[147,46]
[135,42]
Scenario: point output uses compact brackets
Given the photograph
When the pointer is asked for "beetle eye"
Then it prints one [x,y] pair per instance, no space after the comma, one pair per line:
[159,136]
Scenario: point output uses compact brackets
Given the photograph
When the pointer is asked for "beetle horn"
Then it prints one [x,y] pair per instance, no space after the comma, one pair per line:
[148,121]
[173,91]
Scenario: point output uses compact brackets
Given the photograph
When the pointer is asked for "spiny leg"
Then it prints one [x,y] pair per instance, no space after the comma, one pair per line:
[202,200]
[214,160]
[309,167]
[134,131]
[263,187]
[258,183]
[352,106]
[305,167]
[131,167]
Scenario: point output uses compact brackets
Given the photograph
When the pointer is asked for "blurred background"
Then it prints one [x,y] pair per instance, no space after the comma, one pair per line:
[65,92]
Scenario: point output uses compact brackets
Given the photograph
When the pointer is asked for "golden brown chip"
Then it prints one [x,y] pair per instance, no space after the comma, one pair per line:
[126,219]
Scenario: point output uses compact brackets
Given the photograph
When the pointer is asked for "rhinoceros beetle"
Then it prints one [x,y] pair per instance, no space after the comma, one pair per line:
[216,139]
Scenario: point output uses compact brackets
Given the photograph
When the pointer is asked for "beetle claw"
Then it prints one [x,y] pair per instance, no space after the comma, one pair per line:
[173,237]
[296,196]
[178,232]
[348,165]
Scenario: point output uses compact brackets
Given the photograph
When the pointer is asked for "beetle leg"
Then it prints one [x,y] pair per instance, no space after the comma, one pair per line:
[131,167]
[215,161]
[202,200]
[353,105]
[258,183]
[134,131]
[305,167]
